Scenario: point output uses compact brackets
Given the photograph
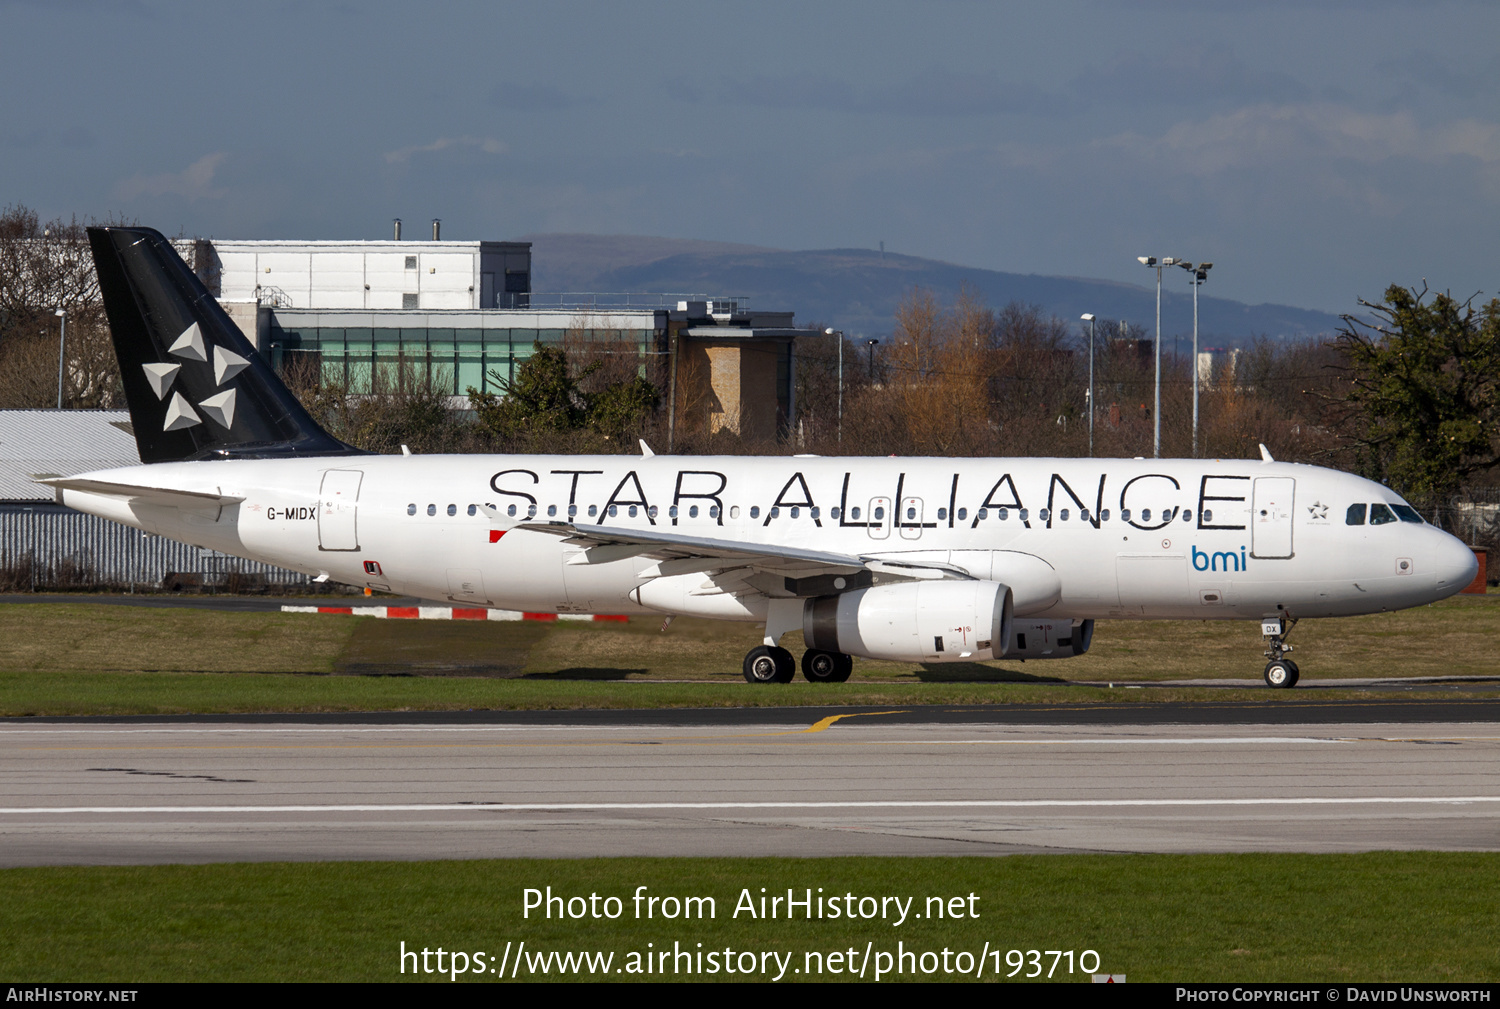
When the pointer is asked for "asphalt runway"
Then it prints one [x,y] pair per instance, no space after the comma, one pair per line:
[805,783]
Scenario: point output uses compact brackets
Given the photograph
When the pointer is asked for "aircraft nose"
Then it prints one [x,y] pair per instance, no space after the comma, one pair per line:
[1455,564]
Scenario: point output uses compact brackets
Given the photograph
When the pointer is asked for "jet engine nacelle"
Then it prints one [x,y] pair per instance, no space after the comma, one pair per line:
[926,621]
[1049,639]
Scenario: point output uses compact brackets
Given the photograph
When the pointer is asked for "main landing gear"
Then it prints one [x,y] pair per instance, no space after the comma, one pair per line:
[770,664]
[1281,672]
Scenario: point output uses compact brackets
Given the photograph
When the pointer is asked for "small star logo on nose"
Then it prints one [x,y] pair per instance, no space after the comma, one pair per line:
[1318,511]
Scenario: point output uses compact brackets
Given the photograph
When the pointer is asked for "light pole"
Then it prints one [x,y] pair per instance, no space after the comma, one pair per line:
[62,343]
[1088,317]
[871,344]
[1196,277]
[840,335]
[1157,264]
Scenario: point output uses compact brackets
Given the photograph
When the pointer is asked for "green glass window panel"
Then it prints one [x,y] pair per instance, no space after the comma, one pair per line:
[359,373]
[497,339]
[335,371]
[497,372]
[358,337]
[546,336]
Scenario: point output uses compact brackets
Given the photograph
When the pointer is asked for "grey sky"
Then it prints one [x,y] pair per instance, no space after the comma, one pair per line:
[1316,152]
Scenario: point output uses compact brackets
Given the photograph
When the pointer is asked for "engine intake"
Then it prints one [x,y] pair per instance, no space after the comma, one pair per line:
[925,621]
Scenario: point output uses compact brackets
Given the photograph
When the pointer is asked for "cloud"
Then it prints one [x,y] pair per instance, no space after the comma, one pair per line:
[1186,76]
[486,144]
[194,182]
[1261,134]
[932,93]
[531,97]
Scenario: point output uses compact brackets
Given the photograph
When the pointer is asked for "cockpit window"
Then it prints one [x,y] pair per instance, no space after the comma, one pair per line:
[1407,513]
[1355,516]
[1380,515]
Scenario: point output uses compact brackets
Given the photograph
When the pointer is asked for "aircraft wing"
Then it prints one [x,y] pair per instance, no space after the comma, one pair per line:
[679,553]
[137,492]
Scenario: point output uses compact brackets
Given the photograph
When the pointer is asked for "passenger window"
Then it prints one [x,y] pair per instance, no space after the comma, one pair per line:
[1407,513]
[1124,514]
[813,512]
[1104,515]
[1042,515]
[734,511]
[1380,515]
[1064,515]
[651,512]
[473,509]
[572,511]
[1355,516]
[1208,515]
[531,511]
[833,512]
[552,511]
[1145,514]
[963,513]
[432,509]
[1022,514]
[755,511]
[942,514]
[911,513]
[672,512]
[775,512]
[855,512]
[614,510]
[713,511]
[411,509]
[511,511]
[632,511]
[1002,514]
[1083,514]
[879,514]
[593,510]
[796,511]
[692,511]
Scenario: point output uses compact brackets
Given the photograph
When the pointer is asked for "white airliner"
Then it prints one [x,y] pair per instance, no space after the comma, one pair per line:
[917,560]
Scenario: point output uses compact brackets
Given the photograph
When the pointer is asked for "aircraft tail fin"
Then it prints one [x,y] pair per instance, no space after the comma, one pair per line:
[195,386]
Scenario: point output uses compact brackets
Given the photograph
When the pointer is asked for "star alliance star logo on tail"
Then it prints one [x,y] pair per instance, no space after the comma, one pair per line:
[219,407]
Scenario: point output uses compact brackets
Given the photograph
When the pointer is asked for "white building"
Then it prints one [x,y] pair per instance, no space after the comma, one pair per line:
[424,276]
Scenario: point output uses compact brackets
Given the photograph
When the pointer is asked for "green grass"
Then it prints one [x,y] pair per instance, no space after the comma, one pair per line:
[1372,917]
[82,658]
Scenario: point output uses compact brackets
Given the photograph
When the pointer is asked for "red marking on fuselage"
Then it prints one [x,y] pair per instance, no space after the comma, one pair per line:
[495,535]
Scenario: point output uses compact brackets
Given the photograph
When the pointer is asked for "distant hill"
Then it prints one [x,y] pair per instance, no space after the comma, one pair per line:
[857,290]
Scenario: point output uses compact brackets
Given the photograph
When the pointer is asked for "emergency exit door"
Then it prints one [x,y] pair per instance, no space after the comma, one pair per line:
[1271,516]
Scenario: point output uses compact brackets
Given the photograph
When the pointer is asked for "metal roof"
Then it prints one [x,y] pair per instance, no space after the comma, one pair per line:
[60,443]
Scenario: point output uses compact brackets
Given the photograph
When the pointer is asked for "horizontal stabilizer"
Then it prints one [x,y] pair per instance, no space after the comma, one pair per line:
[153,495]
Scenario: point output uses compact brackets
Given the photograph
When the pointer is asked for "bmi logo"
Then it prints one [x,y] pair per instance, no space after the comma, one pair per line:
[1219,560]
[218,408]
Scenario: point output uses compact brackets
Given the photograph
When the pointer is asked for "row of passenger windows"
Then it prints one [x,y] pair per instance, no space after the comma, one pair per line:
[878,513]
[1380,514]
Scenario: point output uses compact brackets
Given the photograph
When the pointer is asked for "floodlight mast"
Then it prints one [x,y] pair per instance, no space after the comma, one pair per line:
[1196,278]
[62,344]
[840,335]
[1088,317]
[1156,264]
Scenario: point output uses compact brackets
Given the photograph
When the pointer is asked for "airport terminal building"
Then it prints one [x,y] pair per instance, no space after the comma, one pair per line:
[462,315]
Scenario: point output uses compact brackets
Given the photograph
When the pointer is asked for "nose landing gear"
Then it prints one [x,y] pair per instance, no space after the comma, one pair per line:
[1281,672]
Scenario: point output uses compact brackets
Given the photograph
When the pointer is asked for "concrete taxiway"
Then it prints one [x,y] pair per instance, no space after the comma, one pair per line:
[800,783]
